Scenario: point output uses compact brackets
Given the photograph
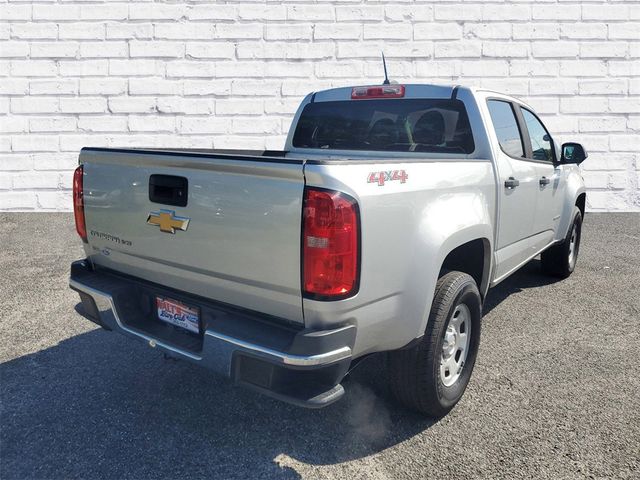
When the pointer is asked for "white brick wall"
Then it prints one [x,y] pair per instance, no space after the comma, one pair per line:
[229,75]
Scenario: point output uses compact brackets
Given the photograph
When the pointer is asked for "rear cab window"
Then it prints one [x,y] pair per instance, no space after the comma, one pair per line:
[392,125]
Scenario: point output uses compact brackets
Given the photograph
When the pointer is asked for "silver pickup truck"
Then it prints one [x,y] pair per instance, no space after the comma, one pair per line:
[379,228]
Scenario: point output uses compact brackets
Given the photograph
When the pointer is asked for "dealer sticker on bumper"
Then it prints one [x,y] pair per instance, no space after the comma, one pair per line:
[179,314]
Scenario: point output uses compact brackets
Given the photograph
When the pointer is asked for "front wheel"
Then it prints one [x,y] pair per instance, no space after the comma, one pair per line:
[432,376]
[560,260]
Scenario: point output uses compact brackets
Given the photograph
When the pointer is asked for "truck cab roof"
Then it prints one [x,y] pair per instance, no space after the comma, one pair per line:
[410,91]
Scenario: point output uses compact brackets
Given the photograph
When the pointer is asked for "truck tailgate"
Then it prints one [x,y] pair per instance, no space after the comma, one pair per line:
[242,242]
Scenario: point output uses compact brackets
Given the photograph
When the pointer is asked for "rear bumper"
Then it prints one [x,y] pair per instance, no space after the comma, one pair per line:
[299,366]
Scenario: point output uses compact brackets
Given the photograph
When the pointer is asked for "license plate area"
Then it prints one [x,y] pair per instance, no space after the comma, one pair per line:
[183,317]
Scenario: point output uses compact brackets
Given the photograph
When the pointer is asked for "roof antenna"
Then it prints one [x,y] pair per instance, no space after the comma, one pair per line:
[386,77]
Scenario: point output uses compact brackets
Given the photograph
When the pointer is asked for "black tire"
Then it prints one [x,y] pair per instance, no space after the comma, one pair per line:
[415,376]
[560,260]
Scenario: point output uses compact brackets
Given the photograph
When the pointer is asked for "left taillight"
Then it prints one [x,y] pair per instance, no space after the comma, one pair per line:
[330,245]
[78,203]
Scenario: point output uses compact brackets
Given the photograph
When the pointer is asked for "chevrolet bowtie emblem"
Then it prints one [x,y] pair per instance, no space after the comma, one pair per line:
[168,221]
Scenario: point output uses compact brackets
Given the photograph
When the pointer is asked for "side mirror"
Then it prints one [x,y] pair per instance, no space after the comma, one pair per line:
[573,153]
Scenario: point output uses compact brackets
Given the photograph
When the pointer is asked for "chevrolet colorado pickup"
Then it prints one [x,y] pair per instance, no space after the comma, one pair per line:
[379,228]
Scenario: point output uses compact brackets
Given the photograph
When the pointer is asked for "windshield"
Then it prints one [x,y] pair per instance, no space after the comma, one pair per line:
[407,125]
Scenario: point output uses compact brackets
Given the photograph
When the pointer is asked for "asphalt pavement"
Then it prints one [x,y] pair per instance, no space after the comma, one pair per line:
[555,392]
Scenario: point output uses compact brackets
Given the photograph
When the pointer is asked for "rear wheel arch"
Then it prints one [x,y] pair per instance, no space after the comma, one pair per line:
[472,257]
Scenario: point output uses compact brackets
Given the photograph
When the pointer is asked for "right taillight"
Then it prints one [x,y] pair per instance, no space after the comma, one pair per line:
[330,244]
[78,203]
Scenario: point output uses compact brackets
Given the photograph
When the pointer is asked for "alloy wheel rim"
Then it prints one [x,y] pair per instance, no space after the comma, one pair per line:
[455,345]
[573,247]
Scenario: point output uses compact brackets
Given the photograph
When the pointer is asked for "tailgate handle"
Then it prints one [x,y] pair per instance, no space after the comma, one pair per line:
[168,190]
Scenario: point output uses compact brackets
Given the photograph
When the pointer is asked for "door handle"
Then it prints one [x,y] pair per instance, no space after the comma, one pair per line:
[511,182]
[545,181]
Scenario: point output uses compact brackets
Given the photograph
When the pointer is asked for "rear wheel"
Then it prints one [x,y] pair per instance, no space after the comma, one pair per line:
[560,260]
[431,376]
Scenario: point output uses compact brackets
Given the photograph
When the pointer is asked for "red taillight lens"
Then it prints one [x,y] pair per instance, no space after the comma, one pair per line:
[78,203]
[382,91]
[330,245]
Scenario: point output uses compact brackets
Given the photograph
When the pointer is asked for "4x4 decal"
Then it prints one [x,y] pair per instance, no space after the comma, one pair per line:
[389,176]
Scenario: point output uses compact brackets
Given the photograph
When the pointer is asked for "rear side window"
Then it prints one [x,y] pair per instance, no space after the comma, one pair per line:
[406,125]
[504,122]
[540,138]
